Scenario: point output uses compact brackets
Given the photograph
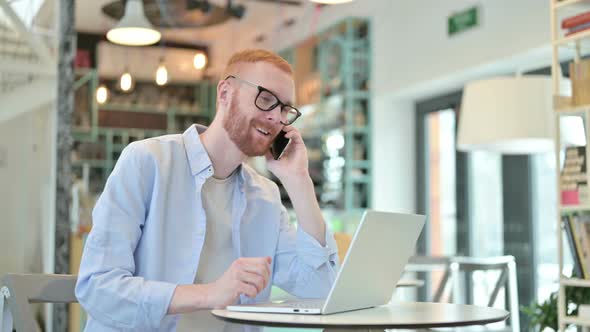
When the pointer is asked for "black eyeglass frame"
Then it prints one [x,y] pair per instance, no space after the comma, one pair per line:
[273,106]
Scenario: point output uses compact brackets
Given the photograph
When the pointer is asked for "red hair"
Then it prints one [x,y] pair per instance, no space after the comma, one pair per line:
[256,55]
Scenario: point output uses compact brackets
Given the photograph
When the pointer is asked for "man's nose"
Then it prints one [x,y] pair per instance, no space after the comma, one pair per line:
[274,115]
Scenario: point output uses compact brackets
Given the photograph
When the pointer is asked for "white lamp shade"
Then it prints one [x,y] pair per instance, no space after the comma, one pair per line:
[511,115]
[134,29]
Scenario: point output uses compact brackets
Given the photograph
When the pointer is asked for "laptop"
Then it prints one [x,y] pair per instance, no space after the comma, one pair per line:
[374,263]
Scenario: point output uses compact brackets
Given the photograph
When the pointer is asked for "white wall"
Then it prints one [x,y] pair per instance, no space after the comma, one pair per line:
[394,169]
[25,172]
[413,59]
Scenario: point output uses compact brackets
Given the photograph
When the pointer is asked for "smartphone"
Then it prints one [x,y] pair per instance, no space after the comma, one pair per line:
[279,145]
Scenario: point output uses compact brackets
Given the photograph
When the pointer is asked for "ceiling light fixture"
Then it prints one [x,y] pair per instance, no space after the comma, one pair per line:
[126,81]
[200,61]
[102,94]
[134,29]
[161,73]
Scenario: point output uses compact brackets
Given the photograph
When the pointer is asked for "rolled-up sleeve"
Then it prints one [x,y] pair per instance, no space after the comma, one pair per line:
[303,267]
[106,287]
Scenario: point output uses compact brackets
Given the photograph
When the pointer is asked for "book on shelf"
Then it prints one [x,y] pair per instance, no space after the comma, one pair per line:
[573,179]
[576,29]
[576,20]
[577,229]
[582,223]
[569,235]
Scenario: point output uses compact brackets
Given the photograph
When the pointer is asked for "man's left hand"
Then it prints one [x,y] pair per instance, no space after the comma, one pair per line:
[293,163]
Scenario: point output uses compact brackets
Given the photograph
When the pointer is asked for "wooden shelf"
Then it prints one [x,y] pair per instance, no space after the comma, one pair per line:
[132,108]
[567,3]
[577,321]
[574,208]
[577,110]
[564,106]
[575,282]
[581,37]
[132,131]
[149,109]
[567,47]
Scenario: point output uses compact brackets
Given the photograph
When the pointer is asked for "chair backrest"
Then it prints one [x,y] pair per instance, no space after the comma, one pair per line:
[343,241]
[18,291]
[452,266]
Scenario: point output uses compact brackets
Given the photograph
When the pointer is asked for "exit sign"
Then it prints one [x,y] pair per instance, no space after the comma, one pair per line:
[462,21]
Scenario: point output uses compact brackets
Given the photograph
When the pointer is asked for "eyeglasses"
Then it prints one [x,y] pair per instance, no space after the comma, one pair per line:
[267,101]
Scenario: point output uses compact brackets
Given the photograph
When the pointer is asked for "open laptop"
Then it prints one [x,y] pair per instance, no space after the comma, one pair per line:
[375,261]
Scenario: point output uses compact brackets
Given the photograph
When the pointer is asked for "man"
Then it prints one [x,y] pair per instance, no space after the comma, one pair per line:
[184,224]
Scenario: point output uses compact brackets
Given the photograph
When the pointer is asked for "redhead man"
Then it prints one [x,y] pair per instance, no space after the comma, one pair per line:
[183,224]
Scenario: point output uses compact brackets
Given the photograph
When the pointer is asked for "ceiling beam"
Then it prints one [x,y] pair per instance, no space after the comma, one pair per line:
[33,40]
[26,98]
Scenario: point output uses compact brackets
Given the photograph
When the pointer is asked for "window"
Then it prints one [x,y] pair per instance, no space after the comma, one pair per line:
[475,201]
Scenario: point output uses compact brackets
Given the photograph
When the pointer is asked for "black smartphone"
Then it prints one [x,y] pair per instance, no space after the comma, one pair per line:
[279,145]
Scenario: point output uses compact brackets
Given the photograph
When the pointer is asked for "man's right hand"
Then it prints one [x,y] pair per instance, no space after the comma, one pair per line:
[246,275]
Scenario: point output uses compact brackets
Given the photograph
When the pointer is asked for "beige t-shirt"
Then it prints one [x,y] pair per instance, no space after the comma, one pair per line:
[217,254]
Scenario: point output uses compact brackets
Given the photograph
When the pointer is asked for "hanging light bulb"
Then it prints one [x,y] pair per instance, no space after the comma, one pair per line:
[161,74]
[200,61]
[134,29]
[102,94]
[126,81]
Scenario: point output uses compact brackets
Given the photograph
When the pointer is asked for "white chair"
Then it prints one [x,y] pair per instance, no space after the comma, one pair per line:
[18,291]
[452,283]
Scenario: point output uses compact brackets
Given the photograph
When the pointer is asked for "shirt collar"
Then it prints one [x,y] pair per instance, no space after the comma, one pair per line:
[198,157]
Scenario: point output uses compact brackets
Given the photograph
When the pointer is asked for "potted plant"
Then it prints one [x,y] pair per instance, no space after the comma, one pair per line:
[543,315]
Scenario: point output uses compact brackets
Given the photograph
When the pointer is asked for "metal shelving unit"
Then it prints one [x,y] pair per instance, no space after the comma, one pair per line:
[563,106]
[345,58]
[112,140]
[341,64]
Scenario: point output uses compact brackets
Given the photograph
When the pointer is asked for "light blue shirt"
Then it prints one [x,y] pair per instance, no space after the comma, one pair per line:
[149,229]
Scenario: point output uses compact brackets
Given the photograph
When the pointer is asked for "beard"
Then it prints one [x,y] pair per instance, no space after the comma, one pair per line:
[242,132]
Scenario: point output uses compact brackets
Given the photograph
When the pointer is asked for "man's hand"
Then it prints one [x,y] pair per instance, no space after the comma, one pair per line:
[293,172]
[248,276]
[293,164]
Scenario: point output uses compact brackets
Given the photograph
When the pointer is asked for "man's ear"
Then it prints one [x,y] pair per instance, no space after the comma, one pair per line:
[223,93]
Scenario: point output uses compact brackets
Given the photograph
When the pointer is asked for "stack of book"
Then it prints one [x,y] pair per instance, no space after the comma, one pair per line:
[577,232]
[575,24]
[574,180]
